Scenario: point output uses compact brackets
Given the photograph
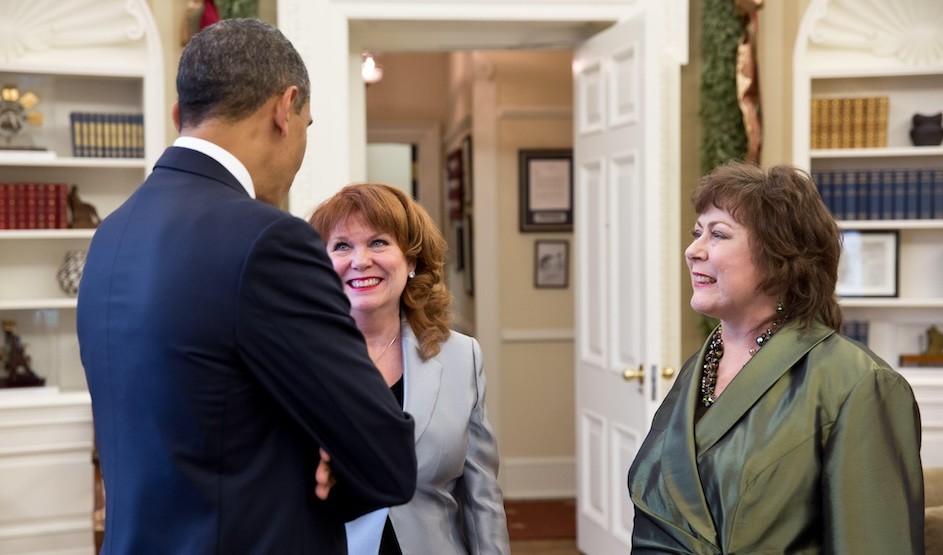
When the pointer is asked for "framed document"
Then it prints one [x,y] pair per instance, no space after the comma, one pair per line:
[868,266]
[546,190]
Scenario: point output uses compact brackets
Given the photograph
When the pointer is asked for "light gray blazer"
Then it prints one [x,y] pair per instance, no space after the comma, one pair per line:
[458,506]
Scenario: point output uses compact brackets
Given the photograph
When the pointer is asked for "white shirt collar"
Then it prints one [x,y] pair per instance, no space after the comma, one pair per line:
[221,155]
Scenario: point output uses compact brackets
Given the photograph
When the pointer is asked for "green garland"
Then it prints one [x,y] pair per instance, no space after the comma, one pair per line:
[229,9]
[724,135]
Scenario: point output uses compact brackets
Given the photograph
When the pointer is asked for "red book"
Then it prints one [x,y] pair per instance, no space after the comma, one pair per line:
[32,206]
[3,206]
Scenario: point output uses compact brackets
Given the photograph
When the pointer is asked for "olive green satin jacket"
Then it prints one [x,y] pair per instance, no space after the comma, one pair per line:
[813,448]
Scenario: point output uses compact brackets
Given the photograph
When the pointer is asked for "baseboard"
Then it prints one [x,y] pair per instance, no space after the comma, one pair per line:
[538,477]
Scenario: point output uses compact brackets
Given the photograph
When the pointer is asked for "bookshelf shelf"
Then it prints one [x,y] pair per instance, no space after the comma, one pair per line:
[888,152]
[38,161]
[45,234]
[38,304]
[896,303]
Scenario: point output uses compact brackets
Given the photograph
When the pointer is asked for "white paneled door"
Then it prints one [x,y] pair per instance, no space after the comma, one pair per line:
[620,283]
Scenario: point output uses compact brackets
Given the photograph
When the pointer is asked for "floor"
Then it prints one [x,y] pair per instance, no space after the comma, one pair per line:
[545,527]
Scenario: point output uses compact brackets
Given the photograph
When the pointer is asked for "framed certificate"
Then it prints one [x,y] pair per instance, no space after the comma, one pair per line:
[546,190]
[868,266]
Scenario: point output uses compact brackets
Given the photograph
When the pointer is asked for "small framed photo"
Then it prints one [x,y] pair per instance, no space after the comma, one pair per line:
[551,264]
[546,190]
[868,266]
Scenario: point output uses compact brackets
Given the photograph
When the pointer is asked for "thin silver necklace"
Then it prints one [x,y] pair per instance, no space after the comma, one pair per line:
[390,344]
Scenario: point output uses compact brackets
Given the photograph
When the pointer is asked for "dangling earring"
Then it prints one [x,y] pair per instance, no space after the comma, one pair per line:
[779,307]
[411,275]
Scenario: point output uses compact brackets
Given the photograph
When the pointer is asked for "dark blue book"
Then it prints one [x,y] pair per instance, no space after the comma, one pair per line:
[900,194]
[912,191]
[875,199]
[850,178]
[838,194]
[887,194]
[925,194]
[938,193]
[824,182]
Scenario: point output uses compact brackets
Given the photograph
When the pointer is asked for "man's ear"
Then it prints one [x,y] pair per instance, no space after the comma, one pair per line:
[175,115]
[284,109]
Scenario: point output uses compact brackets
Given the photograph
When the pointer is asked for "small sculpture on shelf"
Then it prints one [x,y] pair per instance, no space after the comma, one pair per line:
[70,271]
[16,116]
[932,356]
[927,130]
[16,363]
[83,214]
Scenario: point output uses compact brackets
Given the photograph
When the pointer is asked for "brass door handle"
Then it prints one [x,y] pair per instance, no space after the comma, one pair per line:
[667,372]
[629,374]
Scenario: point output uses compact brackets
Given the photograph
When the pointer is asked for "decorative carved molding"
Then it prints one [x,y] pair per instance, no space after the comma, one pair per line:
[909,30]
[42,25]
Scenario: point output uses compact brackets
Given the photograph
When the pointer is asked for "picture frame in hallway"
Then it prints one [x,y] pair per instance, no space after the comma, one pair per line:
[869,264]
[468,248]
[546,189]
[551,264]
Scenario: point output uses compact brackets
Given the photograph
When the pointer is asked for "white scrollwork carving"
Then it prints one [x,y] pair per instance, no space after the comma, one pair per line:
[909,30]
[41,25]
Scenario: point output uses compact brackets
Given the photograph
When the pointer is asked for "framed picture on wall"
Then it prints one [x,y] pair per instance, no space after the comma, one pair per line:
[546,190]
[468,183]
[551,264]
[868,266]
[468,247]
[454,184]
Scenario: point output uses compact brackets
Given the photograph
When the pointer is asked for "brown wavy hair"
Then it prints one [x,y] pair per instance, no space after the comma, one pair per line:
[795,240]
[426,298]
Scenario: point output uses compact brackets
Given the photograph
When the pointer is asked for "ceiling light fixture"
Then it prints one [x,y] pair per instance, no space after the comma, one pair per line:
[369,69]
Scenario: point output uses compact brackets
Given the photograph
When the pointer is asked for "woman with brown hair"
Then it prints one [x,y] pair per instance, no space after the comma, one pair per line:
[780,435]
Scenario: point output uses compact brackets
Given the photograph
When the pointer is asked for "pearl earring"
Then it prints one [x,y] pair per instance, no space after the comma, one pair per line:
[411,275]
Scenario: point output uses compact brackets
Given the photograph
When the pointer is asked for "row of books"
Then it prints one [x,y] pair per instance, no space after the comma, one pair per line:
[34,206]
[849,122]
[882,194]
[856,329]
[101,135]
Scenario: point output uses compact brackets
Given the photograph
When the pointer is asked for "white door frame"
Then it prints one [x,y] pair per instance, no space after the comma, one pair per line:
[320,30]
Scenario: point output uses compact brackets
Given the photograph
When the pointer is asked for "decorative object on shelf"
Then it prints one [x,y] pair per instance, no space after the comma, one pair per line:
[927,130]
[70,272]
[933,356]
[16,115]
[84,215]
[15,361]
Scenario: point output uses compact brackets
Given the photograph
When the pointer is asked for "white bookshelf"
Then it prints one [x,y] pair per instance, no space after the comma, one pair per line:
[843,50]
[91,56]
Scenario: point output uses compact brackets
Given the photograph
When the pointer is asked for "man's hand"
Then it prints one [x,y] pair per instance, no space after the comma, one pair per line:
[324,476]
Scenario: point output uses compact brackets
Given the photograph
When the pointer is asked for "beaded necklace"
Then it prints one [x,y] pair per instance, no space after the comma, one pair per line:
[715,352]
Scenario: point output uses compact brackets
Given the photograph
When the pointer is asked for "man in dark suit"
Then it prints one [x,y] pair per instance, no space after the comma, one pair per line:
[216,338]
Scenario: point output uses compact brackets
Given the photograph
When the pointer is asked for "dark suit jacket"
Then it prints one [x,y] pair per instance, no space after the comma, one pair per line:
[220,355]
